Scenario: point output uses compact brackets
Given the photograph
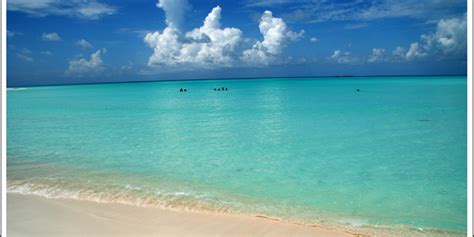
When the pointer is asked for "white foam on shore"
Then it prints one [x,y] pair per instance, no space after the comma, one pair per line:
[182,200]
[18,89]
[189,201]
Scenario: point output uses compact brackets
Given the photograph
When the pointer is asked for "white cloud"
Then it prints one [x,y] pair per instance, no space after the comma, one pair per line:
[342,57]
[422,9]
[377,55]
[78,67]
[449,41]
[359,11]
[166,46]
[207,45]
[24,54]
[175,11]
[83,9]
[50,36]
[398,53]
[415,51]
[313,40]
[84,44]
[275,37]
[451,35]
[94,10]
[47,53]
[266,3]
[24,57]
[212,45]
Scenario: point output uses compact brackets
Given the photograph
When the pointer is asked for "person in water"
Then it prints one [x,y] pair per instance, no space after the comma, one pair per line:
[226,89]
[181,90]
[358,90]
[185,90]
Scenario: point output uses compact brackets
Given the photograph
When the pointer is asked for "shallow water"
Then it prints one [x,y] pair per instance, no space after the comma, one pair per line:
[311,150]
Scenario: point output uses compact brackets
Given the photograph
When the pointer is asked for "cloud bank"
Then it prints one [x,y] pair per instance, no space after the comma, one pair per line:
[449,41]
[212,45]
[342,57]
[377,55]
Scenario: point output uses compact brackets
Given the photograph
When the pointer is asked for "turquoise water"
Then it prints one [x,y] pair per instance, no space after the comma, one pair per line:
[392,156]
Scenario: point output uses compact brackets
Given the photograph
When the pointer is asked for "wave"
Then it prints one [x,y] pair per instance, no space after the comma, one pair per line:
[18,89]
[198,202]
[127,194]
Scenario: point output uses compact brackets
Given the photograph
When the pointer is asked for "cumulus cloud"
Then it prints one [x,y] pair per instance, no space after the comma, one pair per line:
[377,55]
[207,45]
[313,40]
[449,41]
[84,44]
[211,44]
[275,37]
[415,51]
[342,57]
[84,9]
[81,66]
[451,35]
[50,36]
[398,53]
[175,11]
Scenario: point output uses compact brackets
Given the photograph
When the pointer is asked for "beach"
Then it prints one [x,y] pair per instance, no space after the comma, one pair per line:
[387,160]
[36,216]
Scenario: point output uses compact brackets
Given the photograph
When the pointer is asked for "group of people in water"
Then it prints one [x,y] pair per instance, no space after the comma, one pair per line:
[215,89]
[221,89]
[218,89]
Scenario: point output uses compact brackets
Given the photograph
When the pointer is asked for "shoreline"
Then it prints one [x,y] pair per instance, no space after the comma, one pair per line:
[33,215]
[44,219]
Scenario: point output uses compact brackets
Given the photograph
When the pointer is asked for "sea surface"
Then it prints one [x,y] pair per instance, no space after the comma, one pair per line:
[390,158]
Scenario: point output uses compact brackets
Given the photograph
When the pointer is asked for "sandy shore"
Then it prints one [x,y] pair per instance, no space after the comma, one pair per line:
[37,216]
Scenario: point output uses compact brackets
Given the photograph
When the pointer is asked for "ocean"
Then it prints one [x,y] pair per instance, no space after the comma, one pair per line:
[389,158]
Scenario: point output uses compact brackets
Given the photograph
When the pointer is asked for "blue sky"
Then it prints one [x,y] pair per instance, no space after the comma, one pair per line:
[77,41]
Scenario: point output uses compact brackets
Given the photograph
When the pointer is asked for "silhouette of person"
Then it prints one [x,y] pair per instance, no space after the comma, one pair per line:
[181,90]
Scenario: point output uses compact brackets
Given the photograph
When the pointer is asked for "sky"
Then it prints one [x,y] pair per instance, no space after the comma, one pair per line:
[90,41]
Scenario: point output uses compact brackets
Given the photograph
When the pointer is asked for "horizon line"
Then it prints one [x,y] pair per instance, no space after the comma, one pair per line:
[231,78]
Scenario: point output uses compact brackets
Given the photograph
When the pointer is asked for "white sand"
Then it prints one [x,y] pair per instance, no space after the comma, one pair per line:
[37,216]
